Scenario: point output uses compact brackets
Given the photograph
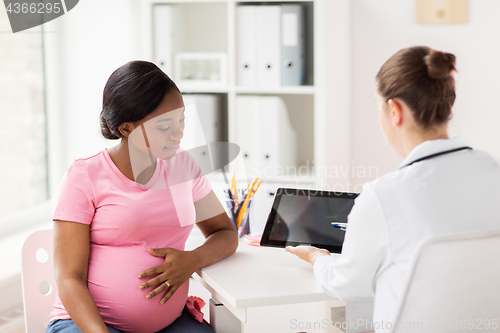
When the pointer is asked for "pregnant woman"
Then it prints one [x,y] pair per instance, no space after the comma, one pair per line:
[120,228]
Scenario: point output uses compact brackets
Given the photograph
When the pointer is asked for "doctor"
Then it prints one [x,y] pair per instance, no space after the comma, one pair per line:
[443,186]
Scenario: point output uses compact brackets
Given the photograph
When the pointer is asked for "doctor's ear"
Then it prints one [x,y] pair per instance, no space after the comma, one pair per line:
[395,112]
[125,129]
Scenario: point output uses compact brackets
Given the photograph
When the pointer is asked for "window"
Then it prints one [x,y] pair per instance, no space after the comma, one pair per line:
[23,161]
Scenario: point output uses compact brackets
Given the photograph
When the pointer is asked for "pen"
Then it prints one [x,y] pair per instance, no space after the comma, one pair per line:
[341,228]
[244,206]
[245,224]
[230,205]
[339,225]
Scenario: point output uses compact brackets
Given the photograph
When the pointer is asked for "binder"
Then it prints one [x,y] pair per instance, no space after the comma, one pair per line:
[293,57]
[265,134]
[167,35]
[276,137]
[268,45]
[246,45]
[246,127]
[203,124]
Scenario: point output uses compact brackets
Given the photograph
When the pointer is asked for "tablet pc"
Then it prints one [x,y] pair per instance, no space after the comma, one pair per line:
[305,217]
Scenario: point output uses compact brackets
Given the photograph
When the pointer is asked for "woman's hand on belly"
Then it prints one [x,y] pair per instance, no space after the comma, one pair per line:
[173,273]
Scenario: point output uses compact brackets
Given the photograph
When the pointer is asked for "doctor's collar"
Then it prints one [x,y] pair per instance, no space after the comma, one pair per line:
[434,148]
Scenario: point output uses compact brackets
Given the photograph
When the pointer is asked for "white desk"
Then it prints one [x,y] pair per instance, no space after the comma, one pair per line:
[263,279]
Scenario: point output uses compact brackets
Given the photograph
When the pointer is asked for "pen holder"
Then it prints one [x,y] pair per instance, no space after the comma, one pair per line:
[234,211]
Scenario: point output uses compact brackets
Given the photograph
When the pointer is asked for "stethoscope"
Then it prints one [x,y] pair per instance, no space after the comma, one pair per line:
[438,154]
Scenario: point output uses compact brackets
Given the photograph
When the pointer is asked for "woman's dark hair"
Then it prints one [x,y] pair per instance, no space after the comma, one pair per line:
[422,78]
[132,92]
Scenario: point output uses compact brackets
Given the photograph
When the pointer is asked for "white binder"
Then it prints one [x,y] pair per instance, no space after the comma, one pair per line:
[276,137]
[247,127]
[269,45]
[167,35]
[293,55]
[246,45]
[203,124]
[264,134]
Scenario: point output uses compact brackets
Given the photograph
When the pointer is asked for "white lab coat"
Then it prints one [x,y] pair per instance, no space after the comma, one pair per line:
[445,194]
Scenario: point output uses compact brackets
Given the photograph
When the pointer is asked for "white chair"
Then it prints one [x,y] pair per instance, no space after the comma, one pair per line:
[38,281]
[454,285]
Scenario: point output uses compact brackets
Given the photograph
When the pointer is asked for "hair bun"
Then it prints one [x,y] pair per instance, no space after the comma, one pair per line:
[439,64]
[105,130]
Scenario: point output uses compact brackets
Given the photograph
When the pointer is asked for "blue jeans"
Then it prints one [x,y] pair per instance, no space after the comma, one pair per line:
[184,324]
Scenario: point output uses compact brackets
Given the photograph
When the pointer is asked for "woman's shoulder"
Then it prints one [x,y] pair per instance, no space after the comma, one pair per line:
[489,157]
[93,157]
[90,163]
[475,161]
[383,180]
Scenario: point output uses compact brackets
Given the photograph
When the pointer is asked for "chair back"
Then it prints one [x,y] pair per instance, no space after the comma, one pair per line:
[454,285]
[38,281]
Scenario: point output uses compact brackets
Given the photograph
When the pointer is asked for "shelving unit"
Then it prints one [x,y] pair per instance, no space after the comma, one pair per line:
[215,31]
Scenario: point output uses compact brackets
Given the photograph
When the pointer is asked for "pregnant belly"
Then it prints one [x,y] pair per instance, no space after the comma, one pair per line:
[114,285]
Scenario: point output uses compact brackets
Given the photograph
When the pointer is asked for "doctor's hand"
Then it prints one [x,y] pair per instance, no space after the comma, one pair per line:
[307,253]
[177,268]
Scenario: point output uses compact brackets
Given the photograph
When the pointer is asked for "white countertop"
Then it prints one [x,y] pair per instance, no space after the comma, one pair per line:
[259,276]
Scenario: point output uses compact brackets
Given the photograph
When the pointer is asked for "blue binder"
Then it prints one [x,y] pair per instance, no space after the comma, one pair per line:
[293,52]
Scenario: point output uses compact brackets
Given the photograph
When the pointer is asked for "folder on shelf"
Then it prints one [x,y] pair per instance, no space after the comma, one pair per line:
[277,139]
[203,124]
[246,123]
[268,45]
[166,35]
[293,55]
[264,132]
[246,45]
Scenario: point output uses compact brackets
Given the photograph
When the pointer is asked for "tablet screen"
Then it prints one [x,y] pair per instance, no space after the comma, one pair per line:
[306,217]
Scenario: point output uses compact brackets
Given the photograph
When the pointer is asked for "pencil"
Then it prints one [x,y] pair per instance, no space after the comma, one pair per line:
[245,204]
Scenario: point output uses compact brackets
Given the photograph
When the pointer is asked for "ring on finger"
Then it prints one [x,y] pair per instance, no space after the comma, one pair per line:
[168,284]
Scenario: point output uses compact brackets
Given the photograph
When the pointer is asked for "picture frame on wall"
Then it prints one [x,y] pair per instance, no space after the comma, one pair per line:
[200,70]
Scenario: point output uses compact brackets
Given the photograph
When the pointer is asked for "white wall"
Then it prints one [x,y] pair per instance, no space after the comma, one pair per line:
[336,44]
[382,27]
[83,48]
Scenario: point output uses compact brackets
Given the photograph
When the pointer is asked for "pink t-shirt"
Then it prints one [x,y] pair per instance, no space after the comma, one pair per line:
[127,218]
